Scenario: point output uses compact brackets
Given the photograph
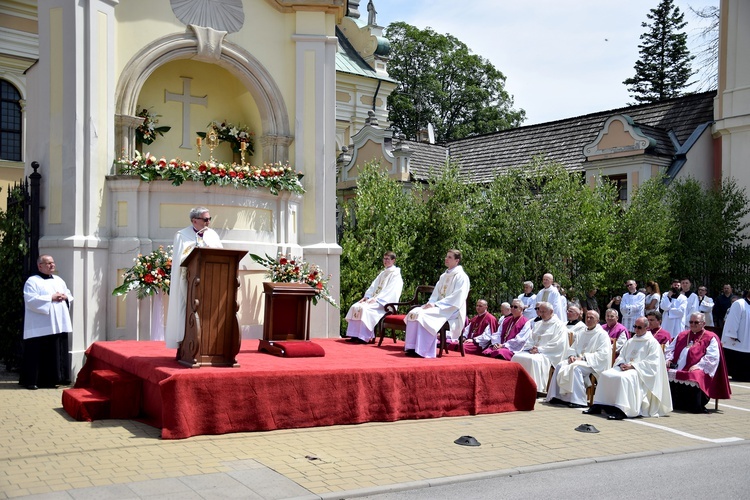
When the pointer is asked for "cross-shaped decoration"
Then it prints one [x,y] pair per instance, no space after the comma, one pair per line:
[186,99]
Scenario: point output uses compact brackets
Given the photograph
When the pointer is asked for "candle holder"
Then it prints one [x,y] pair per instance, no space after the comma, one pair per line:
[198,144]
[243,147]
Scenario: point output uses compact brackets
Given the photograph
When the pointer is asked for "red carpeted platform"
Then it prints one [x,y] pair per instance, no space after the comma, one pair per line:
[352,384]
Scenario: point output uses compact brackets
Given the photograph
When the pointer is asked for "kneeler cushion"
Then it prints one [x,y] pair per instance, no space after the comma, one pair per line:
[292,349]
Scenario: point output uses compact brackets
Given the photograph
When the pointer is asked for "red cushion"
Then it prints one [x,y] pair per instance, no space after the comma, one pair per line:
[293,349]
[395,321]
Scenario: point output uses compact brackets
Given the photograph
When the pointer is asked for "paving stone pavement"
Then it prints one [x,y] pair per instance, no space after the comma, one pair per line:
[45,454]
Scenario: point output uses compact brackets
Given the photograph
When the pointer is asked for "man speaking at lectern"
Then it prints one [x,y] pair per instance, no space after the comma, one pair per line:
[196,235]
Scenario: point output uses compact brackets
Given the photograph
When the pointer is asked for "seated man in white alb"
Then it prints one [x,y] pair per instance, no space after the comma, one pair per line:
[575,324]
[365,314]
[589,354]
[447,303]
[545,347]
[637,384]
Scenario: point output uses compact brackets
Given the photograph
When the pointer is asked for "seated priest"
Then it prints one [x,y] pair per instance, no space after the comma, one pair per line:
[575,325]
[446,304]
[654,325]
[478,332]
[615,329]
[637,384]
[696,368]
[365,314]
[511,335]
[545,348]
[590,354]
[736,338]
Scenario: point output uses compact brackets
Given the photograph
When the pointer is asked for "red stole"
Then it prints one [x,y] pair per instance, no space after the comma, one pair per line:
[478,324]
[716,387]
[697,350]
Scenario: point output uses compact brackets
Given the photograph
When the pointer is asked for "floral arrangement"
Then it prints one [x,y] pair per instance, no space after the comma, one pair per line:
[149,274]
[288,269]
[147,132]
[234,135]
[276,177]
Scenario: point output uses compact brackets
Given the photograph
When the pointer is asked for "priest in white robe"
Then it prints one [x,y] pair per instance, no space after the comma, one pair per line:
[551,294]
[637,383]
[589,354]
[736,339]
[632,305]
[365,314]
[528,298]
[447,303]
[198,234]
[545,347]
[46,327]
[674,307]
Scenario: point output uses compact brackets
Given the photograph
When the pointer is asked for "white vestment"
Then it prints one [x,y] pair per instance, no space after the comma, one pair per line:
[552,295]
[692,307]
[736,335]
[644,390]
[184,242]
[528,303]
[674,312]
[363,316]
[571,379]
[551,339]
[449,304]
[706,306]
[650,298]
[44,317]
[632,307]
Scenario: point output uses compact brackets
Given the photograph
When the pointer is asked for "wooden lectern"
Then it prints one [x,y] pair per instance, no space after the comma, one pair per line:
[287,314]
[212,331]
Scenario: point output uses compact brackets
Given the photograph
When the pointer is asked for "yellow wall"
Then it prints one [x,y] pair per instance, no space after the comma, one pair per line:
[227,100]
[10,173]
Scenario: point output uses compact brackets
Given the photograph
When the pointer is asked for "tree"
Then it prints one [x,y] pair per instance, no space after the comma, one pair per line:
[664,68]
[443,83]
[708,56]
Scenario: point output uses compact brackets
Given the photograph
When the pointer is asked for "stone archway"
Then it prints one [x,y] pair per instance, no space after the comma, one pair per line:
[205,45]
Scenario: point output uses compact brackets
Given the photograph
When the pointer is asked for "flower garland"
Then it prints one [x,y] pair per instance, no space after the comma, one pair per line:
[276,177]
[288,269]
[149,275]
[234,135]
[146,133]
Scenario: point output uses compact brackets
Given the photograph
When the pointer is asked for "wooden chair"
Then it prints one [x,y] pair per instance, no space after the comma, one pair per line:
[395,318]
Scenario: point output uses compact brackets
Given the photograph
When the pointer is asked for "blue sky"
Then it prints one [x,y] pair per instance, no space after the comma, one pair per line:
[560,58]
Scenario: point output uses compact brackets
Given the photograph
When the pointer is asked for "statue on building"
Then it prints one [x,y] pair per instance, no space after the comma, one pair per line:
[371,13]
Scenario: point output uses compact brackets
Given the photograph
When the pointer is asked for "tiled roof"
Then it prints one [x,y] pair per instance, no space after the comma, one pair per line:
[425,157]
[483,157]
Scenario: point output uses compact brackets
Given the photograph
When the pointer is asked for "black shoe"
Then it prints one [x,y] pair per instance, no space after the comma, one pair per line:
[574,405]
[32,387]
[615,417]
[556,401]
[592,411]
[356,340]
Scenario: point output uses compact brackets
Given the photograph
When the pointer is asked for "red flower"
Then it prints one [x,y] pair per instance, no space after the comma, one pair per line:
[202,168]
[312,276]
[241,175]
[161,272]
[319,286]
[232,174]
[282,261]
[148,278]
[214,170]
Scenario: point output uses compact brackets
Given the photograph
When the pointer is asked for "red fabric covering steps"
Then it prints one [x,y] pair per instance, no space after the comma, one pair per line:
[124,392]
[352,384]
[85,405]
[292,348]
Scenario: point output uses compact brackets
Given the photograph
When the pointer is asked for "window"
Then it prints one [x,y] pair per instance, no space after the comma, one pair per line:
[621,184]
[10,122]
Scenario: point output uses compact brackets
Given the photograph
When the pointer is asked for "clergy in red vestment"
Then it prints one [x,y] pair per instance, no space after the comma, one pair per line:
[477,332]
[615,329]
[696,368]
[512,334]
[654,326]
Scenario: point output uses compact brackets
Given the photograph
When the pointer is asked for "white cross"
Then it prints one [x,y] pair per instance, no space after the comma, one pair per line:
[186,99]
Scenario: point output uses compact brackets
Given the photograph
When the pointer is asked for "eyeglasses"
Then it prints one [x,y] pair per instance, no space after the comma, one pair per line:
[204,219]
[515,307]
[695,322]
[536,308]
[638,327]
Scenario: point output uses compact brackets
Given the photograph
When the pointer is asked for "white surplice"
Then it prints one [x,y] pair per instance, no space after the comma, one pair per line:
[184,242]
[363,316]
[552,295]
[674,313]
[736,335]
[449,304]
[643,390]
[42,316]
[706,306]
[551,339]
[632,307]
[571,379]
[528,303]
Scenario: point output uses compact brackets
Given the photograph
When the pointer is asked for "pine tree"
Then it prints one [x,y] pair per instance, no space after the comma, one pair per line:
[664,67]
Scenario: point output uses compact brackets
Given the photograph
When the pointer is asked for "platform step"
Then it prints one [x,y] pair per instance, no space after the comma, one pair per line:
[123,389]
[86,404]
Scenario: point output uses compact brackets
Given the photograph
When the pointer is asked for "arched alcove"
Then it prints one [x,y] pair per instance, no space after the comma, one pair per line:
[276,135]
